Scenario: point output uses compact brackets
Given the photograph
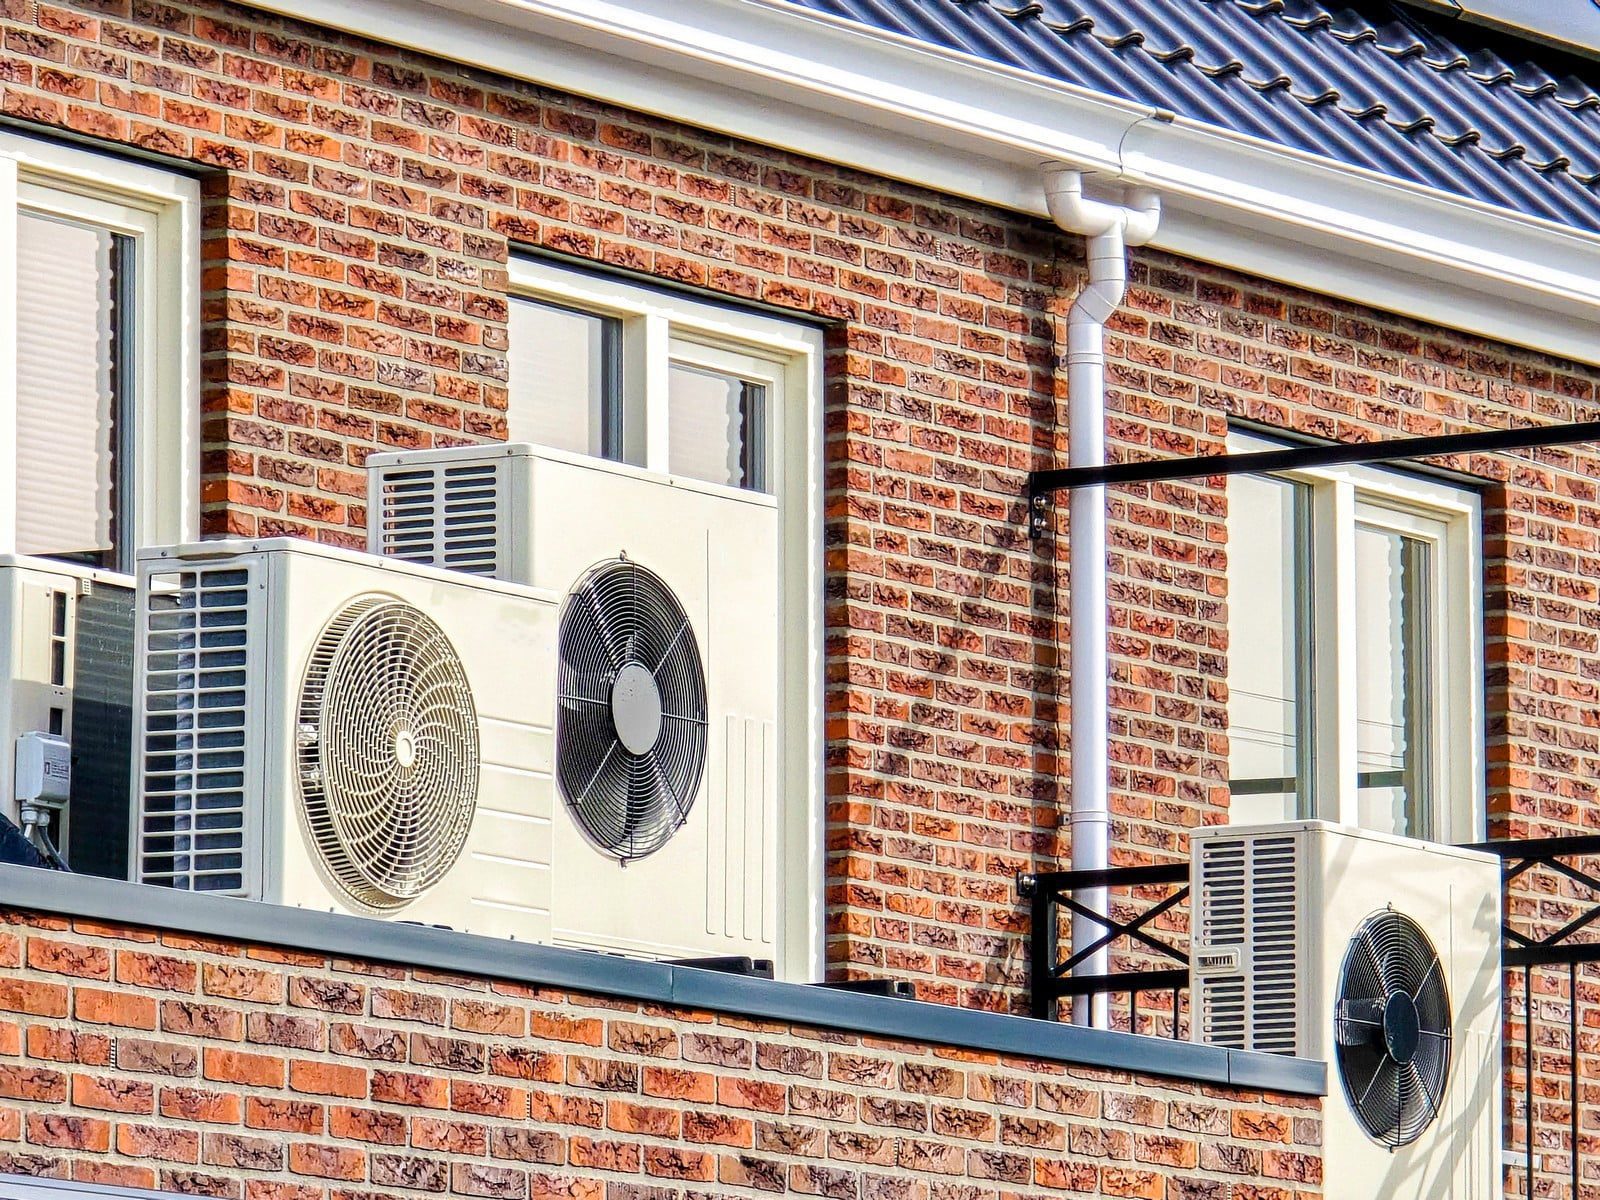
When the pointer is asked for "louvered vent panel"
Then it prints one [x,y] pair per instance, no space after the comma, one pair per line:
[1274,944]
[1220,925]
[445,515]
[194,731]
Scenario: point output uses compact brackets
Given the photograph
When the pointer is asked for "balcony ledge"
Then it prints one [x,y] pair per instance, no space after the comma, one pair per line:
[82,896]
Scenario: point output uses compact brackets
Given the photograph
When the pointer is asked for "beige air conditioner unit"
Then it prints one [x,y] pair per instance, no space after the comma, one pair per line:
[669,838]
[1380,956]
[325,729]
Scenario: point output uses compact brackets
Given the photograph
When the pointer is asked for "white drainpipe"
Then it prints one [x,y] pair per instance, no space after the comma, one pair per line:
[1110,228]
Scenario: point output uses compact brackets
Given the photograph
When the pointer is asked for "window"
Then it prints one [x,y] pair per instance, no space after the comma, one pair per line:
[724,400]
[98,368]
[1354,635]
[647,377]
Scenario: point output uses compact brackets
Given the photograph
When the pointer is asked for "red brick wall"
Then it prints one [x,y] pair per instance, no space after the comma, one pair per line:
[247,1072]
[358,218]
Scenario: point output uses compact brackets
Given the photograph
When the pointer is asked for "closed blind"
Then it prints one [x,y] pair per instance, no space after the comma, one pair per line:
[66,334]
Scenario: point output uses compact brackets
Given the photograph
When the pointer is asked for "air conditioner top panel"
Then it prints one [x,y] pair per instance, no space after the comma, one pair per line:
[1280,828]
[54,566]
[428,458]
[204,551]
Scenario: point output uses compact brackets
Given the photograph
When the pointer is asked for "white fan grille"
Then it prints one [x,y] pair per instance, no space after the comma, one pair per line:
[441,514]
[388,746]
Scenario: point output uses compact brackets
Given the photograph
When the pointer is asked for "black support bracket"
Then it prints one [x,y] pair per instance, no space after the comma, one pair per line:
[1042,485]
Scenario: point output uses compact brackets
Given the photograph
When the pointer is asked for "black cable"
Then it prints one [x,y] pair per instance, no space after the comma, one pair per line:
[51,854]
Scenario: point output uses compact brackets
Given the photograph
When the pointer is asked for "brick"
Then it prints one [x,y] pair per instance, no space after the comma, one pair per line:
[237,1066]
[160,1142]
[67,1132]
[33,998]
[156,1057]
[69,958]
[408,1088]
[327,1079]
[113,1094]
[139,969]
[289,1116]
[114,1008]
[201,1105]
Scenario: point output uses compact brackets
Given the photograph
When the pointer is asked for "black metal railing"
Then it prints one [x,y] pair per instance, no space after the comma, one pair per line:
[1051,978]
[1529,951]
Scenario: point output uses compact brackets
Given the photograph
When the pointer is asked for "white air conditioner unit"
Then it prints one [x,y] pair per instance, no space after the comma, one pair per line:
[52,615]
[667,845]
[325,729]
[1380,956]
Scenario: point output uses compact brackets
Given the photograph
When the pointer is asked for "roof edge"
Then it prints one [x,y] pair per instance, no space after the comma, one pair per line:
[833,90]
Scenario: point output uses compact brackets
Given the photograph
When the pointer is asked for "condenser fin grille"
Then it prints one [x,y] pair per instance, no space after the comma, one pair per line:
[443,515]
[1274,946]
[1248,901]
[193,736]
[1219,924]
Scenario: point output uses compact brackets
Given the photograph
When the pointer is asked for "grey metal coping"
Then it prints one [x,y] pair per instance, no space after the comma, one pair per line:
[586,971]
[38,1187]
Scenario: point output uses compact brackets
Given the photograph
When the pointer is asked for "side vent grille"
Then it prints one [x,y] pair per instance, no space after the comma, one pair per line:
[1220,923]
[445,515]
[1246,942]
[1274,947]
[194,740]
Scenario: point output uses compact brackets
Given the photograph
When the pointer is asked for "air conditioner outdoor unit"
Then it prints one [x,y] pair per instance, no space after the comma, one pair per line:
[66,635]
[322,728]
[1380,956]
[669,837]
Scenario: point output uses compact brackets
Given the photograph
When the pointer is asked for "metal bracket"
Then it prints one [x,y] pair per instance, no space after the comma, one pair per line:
[1042,485]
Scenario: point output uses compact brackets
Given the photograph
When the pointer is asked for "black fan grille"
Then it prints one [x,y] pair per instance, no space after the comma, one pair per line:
[1392,1028]
[623,618]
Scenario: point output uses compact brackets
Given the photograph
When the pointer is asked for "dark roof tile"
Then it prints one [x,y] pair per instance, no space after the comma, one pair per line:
[1380,86]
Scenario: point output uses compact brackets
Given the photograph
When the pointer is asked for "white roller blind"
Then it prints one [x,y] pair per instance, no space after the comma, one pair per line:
[65,397]
[557,385]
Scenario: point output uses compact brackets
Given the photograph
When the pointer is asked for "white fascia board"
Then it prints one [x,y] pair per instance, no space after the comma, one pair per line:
[777,75]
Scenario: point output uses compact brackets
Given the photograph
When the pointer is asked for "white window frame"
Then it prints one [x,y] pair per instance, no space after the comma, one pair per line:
[161,211]
[1449,517]
[659,327]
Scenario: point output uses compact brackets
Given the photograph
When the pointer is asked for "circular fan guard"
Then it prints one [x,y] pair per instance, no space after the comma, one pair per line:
[388,751]
[631,734]
[1392,1028]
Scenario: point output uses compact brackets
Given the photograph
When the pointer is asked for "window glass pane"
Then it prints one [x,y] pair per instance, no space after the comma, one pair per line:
[563,378]
[1265,640]
[67,345]
[716,427]
[1391,694]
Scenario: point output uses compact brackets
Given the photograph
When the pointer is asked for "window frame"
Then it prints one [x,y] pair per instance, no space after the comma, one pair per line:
[660,326]
[160,211]
[1449,517]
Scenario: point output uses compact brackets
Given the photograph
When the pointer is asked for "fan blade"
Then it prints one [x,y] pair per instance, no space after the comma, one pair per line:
[589,783]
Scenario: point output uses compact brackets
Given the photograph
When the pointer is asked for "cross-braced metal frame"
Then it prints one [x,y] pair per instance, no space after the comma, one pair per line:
[1051,981]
